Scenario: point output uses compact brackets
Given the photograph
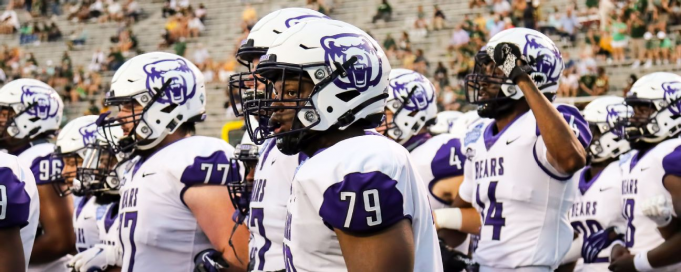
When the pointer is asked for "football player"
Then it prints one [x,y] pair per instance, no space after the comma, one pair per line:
[174,202]
[597,195]
[410,111]
[520,164]
[19,213]
[274,172]
[31,112]
[97,180]
[357,203]
[651,175]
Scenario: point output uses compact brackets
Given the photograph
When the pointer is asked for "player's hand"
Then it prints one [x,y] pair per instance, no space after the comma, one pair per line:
[596,242]
[617,252]
[453,260]
[510,60]
[97,258]
[209,260]
[625,263]
[658,209]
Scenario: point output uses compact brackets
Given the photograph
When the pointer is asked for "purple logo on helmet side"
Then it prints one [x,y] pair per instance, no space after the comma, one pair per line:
[617,117]
[89,134]
[367,70]
[672,95]
[182,80]
[402,85]
[45,106]
[297,20]
[544,58]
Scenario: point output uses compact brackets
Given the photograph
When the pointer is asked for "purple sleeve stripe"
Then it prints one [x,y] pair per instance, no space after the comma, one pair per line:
[671,163]
[211,170]
[576,121]
[552,175]
[443,166]
[18,201]
[430,191]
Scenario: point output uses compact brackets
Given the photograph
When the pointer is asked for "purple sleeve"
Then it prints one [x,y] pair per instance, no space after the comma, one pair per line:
[672,162]
[18,203]
[215,169]
[576,122]
[45,167]
[448,161]
[363,203]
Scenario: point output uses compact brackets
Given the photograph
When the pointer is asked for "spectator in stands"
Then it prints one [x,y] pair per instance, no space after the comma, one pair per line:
[183,5]
[403,44]
[201,12]
[92,109]
[476,3]
[201,56]
[97,60]
[517,9]
[114,11]
[115,59]
[169,8]
[619,39]
[390,46]
[408,59]
[133,10]
[501,7]
[652,46]
[180,47]
[441,75]
[421,63]
[227,69]
[420,18]
[438,18]
[586,83]
[195,26]
[662,9]
[249,16]
[26,34]
[637,28]
[630,82]
[569,25]
[665,48]
[569,82]
[460,37]
[125,43]
[384,12]
[53,32]
[96,9]
[9,21]
[40,30]
[529,15]
[497,25]
[602,82]
[77,38]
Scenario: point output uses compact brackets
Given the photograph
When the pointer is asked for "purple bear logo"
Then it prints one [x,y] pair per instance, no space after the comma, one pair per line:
[672,95]
[297,20]
[545,59]
[367,70]
[182,80]
[402,85]
[89,134]
[45,106]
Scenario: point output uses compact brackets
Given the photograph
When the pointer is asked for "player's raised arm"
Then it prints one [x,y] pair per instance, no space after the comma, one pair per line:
[11,258]
[564,149]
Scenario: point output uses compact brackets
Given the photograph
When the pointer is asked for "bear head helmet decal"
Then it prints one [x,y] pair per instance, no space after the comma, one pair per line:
[404,84]
[365,72]
[44,105]
[182,80]
[89,134]
[672,96]
[544,58]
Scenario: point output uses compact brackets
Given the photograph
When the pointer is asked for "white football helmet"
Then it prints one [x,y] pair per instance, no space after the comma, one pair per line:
[608,145]
[660,91]
[349,71]
[262,35]
[444,122]
[169,87]
[539,51]
[460,126]
[35,108]
[411,99]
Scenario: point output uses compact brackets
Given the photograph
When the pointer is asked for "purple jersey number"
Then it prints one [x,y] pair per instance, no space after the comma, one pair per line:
[256,218]
[628,213]
[493,216]
[591,227]
[129,220]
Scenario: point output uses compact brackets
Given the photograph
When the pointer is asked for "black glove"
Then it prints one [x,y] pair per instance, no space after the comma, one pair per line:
[452,260]
[510,60]
[209,260]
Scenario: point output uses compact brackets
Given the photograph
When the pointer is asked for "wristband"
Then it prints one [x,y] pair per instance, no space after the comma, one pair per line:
[619,242]
[448,218]
[641,262]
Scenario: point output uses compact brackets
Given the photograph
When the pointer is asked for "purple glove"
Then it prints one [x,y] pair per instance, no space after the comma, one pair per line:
[596,242]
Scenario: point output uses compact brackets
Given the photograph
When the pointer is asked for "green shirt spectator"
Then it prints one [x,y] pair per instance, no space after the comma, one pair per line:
[389,42]
[180,47]
[638,29]
[619,30]
[586,84]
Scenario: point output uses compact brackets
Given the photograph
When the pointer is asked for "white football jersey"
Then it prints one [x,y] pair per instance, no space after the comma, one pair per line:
[440,157]
[20,202]
[267,210]
[38,158]
[363,184]
[155,223]
[522,199]
[596,207]
[642,179]
[108,223]
[85,223]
